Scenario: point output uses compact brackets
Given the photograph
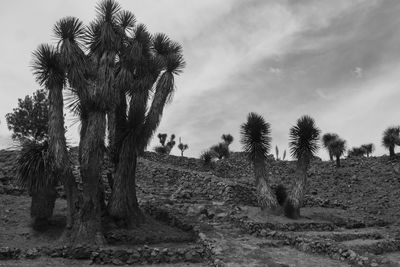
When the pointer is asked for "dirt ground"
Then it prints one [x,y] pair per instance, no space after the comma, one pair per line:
[16,230]
[59,262]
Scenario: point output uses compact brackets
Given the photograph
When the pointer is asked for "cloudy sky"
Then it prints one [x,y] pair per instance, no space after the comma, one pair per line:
[338,61]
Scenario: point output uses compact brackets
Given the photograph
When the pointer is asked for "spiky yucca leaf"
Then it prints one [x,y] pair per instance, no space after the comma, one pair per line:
[164,46]
[104,33]
[33,169]
[107,10]
[255,136]
[70,34]
[69,29]
[304,138]
[126,20]
[47,66]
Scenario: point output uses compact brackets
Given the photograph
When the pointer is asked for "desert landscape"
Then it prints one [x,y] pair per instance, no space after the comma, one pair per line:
[209,215]
[219,133]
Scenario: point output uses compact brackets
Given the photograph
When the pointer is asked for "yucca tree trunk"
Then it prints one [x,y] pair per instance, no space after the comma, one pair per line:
[265,197]
[124,205]
[42,205]
[391,152]
[294,201]
[338,161]
[89,226]
[58,150]
[116,127]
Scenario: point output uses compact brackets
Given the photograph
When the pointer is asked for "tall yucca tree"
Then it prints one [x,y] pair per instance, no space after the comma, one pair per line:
[103,42]
[158,61]
[91,77]
[304,137]
[391,138]
[70,34]
[338,147]
[50,73]
[326,140]
[256,141]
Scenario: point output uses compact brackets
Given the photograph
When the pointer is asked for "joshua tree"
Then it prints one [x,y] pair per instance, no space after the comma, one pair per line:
[303,144]
[338,147]
[326,140]
[182,147]
[162,138]
[50,73]
[369,148]
[165,148]
[391,138]
[161,61]
[256,141]
[171,143]
[227,138]
[34,173]
[122,59]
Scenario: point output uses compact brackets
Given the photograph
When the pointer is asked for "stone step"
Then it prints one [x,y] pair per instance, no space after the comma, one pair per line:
[231,247]
[344,235]
[375,246]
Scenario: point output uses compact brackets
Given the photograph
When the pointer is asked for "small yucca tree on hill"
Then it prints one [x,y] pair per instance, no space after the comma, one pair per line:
[256,141]
[182,147]
[304,137]
[326,140]
[369,148]
[391,138]
[338,147]
[34,174]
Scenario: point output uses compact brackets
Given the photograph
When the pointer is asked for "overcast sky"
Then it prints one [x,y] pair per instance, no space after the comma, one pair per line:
[337,61]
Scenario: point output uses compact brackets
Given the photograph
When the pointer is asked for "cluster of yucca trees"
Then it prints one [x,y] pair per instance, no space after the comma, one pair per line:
[363,150]
[114,67]
[336,146]
[256,140]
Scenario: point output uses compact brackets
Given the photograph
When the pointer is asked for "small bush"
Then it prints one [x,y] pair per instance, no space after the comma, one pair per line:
[207,157]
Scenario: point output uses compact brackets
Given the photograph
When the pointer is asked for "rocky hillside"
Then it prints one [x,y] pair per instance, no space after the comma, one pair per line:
[367,185]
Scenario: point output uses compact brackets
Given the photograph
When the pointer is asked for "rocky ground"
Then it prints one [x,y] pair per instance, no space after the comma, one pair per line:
[208,217]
